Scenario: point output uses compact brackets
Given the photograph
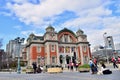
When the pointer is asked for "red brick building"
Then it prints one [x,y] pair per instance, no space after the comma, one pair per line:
[54,47]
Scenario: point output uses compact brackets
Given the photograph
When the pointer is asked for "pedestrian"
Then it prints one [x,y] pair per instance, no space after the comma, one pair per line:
[91,63]
[71,66]
[119,59]
[68,66]
[93,67]
[76,66]
[114,63]
[34,66]
[39,70]
[95,61]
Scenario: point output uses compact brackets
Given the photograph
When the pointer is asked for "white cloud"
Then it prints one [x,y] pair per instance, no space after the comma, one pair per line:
[99,11]
[94,16]
[84,22]
[6,14]
[95,27]
[18,27]
[111,26]
[28,32]
[35,14]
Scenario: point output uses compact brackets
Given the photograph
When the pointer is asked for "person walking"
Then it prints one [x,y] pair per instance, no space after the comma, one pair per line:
[119,59]
[93,67]
[71,66]
[91,63]
[95,62]
[114,64]
[76,66]
[68,66]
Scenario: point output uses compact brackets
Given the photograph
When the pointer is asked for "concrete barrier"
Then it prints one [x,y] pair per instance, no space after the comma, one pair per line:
[119,66]
[84,69]
[54,70]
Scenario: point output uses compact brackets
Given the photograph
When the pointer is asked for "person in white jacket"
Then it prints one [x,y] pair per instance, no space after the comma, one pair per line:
[104,70]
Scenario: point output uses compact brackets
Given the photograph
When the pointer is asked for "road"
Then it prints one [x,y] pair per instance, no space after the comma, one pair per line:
[66,75]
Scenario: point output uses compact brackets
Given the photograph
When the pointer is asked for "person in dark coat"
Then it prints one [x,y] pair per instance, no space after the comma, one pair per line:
[39,70]
[34,66]
[114,64]
[94,69]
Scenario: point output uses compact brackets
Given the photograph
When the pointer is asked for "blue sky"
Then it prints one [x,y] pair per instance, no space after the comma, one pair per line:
[94,17]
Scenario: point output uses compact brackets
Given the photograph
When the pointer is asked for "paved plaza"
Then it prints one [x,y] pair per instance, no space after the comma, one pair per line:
[66,75]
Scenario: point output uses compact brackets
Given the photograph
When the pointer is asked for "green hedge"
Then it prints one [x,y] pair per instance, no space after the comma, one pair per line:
[84,66]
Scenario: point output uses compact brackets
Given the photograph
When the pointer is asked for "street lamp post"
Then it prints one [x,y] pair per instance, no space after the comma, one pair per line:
[105,46]
[8,61]
[19,41]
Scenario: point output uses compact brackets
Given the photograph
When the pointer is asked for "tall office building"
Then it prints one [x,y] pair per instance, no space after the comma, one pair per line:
[10,49]
[117,48]
[13,49]
[109,42]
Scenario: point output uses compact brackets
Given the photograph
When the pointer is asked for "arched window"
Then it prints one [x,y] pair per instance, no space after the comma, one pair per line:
[66,38]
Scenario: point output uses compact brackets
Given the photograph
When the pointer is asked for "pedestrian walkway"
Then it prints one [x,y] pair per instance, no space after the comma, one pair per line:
[60,76]
[66,75]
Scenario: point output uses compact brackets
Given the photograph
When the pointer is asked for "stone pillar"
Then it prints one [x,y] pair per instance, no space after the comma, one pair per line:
[48,53]
[81,52]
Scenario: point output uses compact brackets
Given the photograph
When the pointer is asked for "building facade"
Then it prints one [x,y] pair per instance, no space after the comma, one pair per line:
[102,54]
[117,48]
[109,43]
[13,49]
[3,59]
[58,47]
